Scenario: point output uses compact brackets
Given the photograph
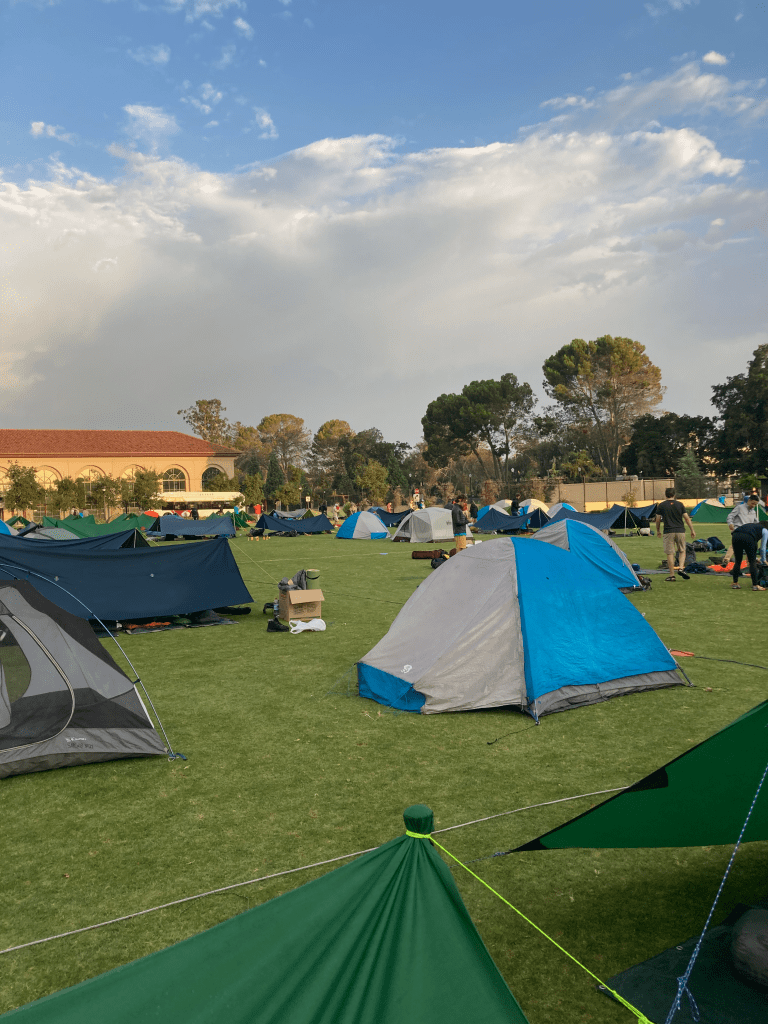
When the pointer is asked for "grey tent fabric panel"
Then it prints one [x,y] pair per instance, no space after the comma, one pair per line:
[591,693]
[555,533]
[426,649]
[5,701]
[425,525]
[81,746]
[81,667]
[43,676]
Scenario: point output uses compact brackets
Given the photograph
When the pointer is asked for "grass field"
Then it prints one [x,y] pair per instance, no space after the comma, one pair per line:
[288,766]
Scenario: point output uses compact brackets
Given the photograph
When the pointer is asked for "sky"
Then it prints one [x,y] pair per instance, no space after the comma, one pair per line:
[343,209]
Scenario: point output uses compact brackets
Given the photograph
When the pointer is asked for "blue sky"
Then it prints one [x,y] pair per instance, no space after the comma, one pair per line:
[367,204]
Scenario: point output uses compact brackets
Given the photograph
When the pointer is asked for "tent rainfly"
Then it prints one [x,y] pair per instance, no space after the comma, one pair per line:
[363,526]
[384,939]
[536,628]
[425,525]
[594,547]
[63,700]
[701,798]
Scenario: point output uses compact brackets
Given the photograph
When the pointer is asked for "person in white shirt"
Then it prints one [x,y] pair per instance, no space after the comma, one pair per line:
[744,513]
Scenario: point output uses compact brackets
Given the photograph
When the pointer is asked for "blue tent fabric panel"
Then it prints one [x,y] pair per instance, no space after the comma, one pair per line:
[387,689]
[128,583]
[390,518]
[106,542]
[600,520]
[596,550]
[214,526]
[570,624]
[362,526]
[537,518]
[494,520]
[318,524]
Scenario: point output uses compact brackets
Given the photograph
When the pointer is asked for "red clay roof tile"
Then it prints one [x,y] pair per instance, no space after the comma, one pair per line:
[21,443]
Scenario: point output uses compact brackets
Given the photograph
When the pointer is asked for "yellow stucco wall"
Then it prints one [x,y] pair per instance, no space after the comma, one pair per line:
[193,466]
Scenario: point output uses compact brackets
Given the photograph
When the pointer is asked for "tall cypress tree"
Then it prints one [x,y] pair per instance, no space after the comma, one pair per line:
[275,478]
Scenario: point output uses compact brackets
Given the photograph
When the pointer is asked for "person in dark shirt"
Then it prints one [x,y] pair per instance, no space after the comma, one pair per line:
[672,513]
[459,522]
[473,511]
[514,508]
[745,539]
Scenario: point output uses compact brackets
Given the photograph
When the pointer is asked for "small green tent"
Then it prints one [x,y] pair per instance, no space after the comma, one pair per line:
[386,939]
[88,527]
[699,799]
[719,513]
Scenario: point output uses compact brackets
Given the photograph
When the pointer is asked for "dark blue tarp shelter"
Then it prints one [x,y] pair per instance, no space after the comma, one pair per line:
[129,583]
[213,526]
[494,521]
[614,518]
[390,518]
[537,518]
[317,524]
[106,542]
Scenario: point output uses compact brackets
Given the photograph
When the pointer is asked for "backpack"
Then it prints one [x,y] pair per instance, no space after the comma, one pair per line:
[715,544]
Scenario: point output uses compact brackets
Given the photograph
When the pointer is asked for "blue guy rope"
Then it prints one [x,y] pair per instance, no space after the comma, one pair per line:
[682,981]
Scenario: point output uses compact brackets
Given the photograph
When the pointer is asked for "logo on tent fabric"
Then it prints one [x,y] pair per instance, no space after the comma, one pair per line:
[407,668]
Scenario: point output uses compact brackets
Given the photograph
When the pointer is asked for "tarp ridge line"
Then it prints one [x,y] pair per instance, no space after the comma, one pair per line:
[264,878]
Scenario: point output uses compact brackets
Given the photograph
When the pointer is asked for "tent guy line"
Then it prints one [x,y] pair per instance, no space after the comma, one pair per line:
[277,874]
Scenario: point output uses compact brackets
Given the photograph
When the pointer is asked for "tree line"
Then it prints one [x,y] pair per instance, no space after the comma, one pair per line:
[491,438]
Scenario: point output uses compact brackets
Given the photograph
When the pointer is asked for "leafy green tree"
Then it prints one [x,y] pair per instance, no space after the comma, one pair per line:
[286,437]
[254,456]
[357,450]
[68,494]
[290,492]
[252,489]
[275,479]
[23,492]
[107,492]
[221,482]
[489,416]
[690,482]
[659,442]
[742,441]
[374,482]
[206,420]
[604,384]
[326,457]
[146,488]
[578,466]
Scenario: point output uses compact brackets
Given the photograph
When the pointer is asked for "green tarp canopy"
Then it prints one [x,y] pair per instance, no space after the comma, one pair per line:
[139,521]
[18,519]
[700,799]
[88,527]
[386,939]
[719,514]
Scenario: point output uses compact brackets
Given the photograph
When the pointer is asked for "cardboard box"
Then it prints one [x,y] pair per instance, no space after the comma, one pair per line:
[300,604]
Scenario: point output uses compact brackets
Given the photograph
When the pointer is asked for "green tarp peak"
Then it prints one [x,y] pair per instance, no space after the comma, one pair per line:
[385,939]
[701,798]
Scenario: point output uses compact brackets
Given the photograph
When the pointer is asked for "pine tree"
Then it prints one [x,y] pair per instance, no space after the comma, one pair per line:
[275,478]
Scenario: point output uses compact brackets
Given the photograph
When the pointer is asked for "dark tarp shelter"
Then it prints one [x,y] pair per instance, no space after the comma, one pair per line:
[537,518]
[386,939]
[317,524]
[495,521]
[88,527]
[297,513]
[613,519]
[701,798]
[105,542]
[63,700]
[213,526]
[129,583]
[390,518]
[631,518]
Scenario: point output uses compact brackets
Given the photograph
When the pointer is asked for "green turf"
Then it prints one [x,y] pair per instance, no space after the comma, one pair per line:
[287,768]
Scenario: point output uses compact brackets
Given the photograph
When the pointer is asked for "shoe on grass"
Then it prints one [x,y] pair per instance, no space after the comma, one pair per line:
[758,588]
[669,579]
[684,574]
[735,586]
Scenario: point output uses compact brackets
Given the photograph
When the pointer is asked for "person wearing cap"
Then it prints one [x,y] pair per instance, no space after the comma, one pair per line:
[675,519]
[745,539]
[743,513]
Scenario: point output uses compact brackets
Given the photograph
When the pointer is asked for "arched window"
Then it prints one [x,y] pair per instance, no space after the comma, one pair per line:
[210,474]
[174,480]
[89,476]
[4,482]
[129,475]
[47,477]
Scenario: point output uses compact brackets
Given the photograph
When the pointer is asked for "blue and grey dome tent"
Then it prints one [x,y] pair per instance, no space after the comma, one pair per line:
[534,627]
[363,526]
[594,548]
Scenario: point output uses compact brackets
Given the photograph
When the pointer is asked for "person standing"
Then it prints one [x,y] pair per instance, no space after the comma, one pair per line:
[743,513]
[459,521]
[744,539]
[514,508]
[672,513]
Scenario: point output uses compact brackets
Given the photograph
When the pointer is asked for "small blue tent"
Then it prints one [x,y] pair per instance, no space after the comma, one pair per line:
[594,548]
[536,628]
[363,526]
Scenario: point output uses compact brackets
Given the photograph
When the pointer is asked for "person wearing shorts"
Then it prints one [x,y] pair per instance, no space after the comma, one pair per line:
[459,520]
[672,513]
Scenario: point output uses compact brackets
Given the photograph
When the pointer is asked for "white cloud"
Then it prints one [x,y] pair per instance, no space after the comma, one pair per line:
[51,131]
[378,271]
[206,100]
[262,63]
[195,9]
[103,264]
[243,27]
[563,102]
[264,121]
[658,9]
[226,58]
[738,17]
[212,124]
[149,124]
[158,54]
[713,57]
[308,23]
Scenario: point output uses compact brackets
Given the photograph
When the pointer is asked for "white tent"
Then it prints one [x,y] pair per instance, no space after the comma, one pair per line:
[529,504]
[425,525]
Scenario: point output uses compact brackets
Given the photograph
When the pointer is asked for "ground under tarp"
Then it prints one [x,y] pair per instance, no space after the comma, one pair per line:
[721,995]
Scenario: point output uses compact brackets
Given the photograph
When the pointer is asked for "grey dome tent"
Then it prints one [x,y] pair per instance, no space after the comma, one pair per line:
[63,699]
[425,525]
